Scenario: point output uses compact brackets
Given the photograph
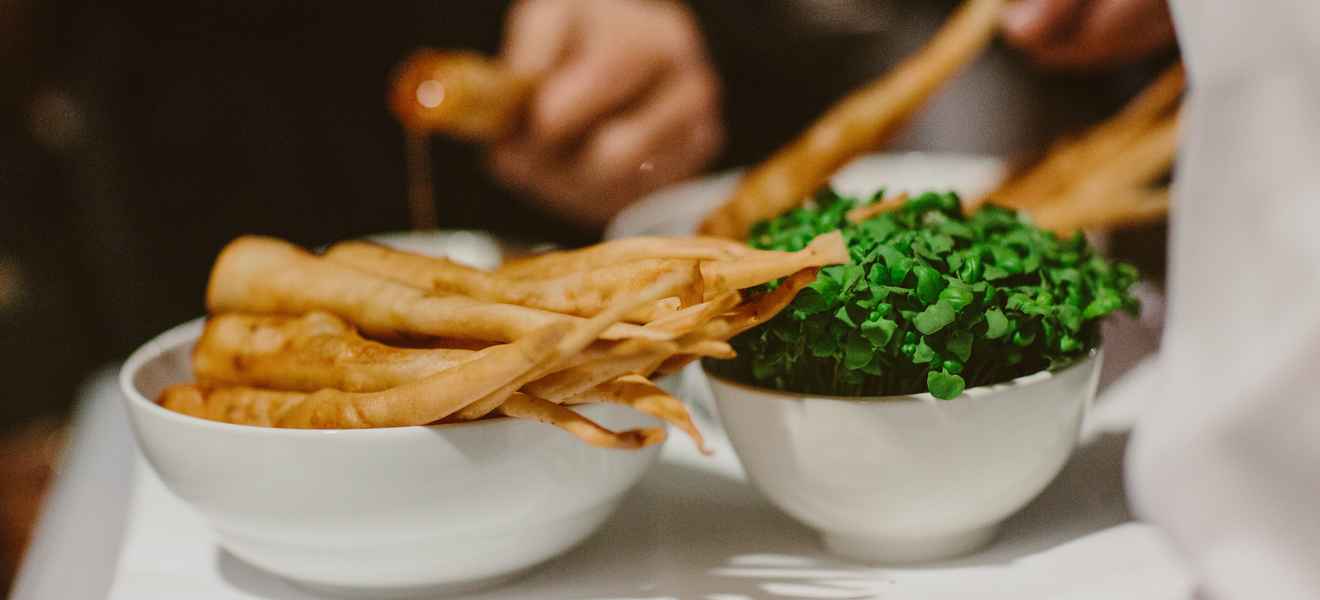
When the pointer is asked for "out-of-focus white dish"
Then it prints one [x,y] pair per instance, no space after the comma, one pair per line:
[677,209]
[378,513]
[908,478]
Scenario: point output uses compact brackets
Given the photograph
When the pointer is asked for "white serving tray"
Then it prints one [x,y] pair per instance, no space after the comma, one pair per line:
[693,528]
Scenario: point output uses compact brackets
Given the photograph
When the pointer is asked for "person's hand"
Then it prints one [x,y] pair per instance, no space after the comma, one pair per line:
[627,101]
[1078,34]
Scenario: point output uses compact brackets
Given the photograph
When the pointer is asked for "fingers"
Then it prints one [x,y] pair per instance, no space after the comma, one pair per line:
[1037,23]
[631,103]
[537,36]
[670,135]
[673,124]
[594,82]
[1088,33]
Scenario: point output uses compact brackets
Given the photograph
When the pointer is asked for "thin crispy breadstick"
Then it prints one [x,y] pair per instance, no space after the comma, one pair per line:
[265,275]
[1073,159]
[523,406]
[749,314]
[1114,193]
[261,407]
[560,385]
[308,353]
[696,315]
[574,340]
[1127,208]
[642,395]
[485,380]
[462,94]
[420,402]
[723,276]
[582,293]
[319,350]
[1141,163]
[550,264]
[857,124]
[874,209]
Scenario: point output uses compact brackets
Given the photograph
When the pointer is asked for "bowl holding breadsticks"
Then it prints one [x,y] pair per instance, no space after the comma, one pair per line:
[375,421]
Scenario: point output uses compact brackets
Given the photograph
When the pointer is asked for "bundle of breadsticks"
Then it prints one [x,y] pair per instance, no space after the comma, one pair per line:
[1101,180]
[1109,176]
[367,336]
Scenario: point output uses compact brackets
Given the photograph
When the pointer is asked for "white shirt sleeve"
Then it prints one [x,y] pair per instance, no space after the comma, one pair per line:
[1226,457]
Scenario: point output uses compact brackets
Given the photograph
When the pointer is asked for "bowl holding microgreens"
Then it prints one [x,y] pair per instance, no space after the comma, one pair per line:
[908,402]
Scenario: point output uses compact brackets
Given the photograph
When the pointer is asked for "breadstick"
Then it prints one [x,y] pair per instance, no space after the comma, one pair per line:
[462,94]
[644,396]
[581,293]
[523,406]
[855,125]
[265,275]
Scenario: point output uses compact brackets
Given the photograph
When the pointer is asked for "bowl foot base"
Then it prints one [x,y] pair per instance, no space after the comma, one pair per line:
[428,591]
[894,549]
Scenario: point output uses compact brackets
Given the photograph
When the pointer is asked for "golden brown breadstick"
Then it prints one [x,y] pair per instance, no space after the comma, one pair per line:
[1114,193]
[722,276]
[319,350]
[264,408]
[583,293]
[1071,160]
[614,252]
[1142,162]
[642,395]
[862,213]
[473,388]
[1120,209]
[747,315]
[462,94]
[265,275]
[308,353]
[574,340]
[855,125]
[523,406]
[696,315]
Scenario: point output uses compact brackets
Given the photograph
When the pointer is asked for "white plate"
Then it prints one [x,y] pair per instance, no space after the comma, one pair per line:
[677,209]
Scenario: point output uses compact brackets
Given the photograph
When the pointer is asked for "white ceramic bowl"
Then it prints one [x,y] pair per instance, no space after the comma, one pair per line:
[383,512]
[907,478]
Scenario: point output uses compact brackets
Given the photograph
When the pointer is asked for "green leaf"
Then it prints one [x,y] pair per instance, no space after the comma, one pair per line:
[923,353]
[929,284]
[879,330]
[1023,338]
[824,345]
[1006,259]
[811,301]
[940,243]
[945,386]
[957,229]
[1069,316]
[957,295]
[960,344]
[899,264]
[879,228]
[858,352]
[1106,302]
[994,273]
[842,315]
[996,324]
[934,318]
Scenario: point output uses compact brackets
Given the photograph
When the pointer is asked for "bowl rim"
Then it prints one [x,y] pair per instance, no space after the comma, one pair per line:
[1024,381]
[189,331]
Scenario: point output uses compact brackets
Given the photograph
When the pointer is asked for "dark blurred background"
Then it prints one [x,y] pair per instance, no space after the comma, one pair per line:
[137,138]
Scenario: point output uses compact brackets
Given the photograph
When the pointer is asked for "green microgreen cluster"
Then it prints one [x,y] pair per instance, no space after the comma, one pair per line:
[934,300]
